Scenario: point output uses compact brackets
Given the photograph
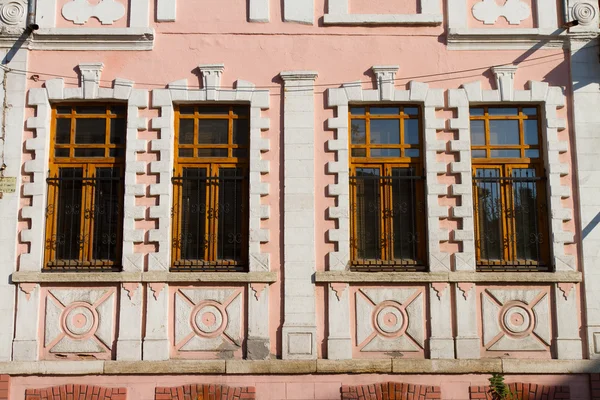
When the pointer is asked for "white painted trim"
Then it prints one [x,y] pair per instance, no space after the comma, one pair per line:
[505,39]
[301,11]
[178,92]
[258,11]
[338,14]
[550,98]
[166,10]
[419,94]
[26,342]
[300,309]
[103,39]
[55,91]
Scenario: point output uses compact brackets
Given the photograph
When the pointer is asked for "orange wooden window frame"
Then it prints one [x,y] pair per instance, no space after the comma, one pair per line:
[504,167]
[88,165]
[385,165]
[212,165]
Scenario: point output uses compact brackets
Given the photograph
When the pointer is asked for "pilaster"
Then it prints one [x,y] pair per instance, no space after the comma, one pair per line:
[299,328]
[467,341]
[25,343]
[129,342]
[156,340]
[339,341]
[441,343]
[568,339]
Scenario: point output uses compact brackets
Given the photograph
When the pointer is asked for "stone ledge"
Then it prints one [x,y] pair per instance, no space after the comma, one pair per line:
[293,367]
[113,277]
[383,19]
[428,277]
[92,39]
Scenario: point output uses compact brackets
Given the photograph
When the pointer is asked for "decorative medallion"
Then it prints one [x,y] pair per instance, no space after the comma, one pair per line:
[12,12]
[584,12]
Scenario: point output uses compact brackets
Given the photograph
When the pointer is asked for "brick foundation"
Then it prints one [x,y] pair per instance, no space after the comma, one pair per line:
[391,391]
[205,392]
[4,387]
[76,392]
[521,391]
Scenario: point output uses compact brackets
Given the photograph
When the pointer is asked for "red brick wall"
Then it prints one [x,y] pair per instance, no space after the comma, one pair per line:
[75,392]
[595,386]
[391,391]
[205,392]
[524,391]
[4,387]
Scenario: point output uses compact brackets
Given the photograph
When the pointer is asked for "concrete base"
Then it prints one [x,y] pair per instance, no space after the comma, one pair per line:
[25,350]
[468,348]
[569,349]
[129,350]
[441,348]
[339,348]
[258,349]
[156,349]
[299,342]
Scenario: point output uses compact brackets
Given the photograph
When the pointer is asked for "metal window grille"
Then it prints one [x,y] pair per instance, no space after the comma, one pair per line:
[84,219]
[209,228]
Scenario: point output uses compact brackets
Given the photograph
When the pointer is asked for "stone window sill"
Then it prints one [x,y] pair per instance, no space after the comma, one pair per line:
[428,277]
[93,39]
[383,19]
[168,277]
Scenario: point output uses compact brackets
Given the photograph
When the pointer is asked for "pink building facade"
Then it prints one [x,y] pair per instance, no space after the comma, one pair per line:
[304,199]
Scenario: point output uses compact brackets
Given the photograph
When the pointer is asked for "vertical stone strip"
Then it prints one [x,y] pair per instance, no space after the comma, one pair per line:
[166,10]
[301,11]
[339,341]
[46,13]
[12,96]
[259,11]
[156,341]
[586,97]
[467,341]
[299,328]
[25,344]
[129,342]
[441,342]
[568,341]
[139,13]
[258,344]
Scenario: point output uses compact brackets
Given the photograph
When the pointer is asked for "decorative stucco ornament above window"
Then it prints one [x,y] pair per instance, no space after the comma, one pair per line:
[107,11]
[489,11]
[584,12]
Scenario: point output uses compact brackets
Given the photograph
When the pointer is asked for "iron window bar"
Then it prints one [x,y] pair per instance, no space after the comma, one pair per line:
[209,230]
[85,223]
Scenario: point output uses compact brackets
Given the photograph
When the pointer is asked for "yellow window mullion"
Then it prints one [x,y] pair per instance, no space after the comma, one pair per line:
[508,217]
[211,217]
[89,212]
[477,212]
[383,230]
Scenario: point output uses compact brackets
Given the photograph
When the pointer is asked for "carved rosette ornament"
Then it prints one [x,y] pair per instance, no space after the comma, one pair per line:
[12,15]
[584,12]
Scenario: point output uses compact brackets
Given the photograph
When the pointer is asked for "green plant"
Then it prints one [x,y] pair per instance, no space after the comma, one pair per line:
[499,389]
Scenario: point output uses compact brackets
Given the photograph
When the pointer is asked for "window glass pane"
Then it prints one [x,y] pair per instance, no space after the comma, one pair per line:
[359,152]
[357,110]
[503,111]
[66,239]
[241,111]
[186,110]
[411,153]
[477,111]
[90,131]
[531,131]
[231,205]
[365,192]
[384,110]
[240,153]
[118,130]
[90,153]
[222,110]
[193,208]
[241,131]
[530,111]
[90,110]
[505,153]
[405,235]
[107,214]
[213,131]
[186,152]
[63,110]
[531,153]
[411,110]
[385,152]
[478,153]
[411,131]
[186,131]
[117,153]
[504,132]
[119,110]
[61,152]
[385,131]
[63,130]
[527,236]
[212,152]
[478,133]
[358,132]
[488,209]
